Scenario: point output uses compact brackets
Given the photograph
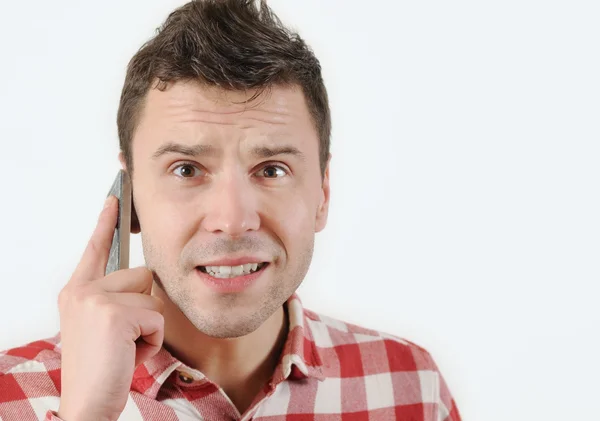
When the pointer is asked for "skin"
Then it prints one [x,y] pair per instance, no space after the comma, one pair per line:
[227,203]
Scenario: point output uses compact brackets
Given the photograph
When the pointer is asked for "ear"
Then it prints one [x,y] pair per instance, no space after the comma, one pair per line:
[323,209]
[135,223]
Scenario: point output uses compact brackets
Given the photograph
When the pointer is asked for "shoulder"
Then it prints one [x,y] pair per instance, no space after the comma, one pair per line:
[30,373]
[382,363]
[353,341]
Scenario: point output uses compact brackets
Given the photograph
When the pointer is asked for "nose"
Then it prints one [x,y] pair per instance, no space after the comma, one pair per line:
[232,207]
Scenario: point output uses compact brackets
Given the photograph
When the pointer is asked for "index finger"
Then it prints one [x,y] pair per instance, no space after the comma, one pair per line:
[95,257]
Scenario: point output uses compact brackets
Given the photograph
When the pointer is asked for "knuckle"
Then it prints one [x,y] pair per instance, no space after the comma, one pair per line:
[94,246]
[70,295]
[112,314]
[63,297]
[79,294]
[94,302]
[81,298]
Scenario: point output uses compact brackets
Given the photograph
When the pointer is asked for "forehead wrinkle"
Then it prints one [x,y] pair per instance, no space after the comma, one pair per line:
[264,116]
[245,124]
[205,111]
[199,120]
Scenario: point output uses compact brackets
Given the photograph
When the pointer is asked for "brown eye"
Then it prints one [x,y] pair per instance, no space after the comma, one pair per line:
[186,170]
[272,170]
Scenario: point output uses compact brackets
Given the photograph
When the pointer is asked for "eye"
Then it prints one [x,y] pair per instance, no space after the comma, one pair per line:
[187,170]
[270,171]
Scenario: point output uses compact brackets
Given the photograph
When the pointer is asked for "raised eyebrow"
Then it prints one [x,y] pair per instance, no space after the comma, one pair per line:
[199,150]
[268,152]
[194,150]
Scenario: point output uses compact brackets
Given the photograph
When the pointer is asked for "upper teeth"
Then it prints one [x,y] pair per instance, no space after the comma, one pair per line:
[231,271]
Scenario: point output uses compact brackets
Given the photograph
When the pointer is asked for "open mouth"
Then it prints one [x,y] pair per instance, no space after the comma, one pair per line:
[233,271]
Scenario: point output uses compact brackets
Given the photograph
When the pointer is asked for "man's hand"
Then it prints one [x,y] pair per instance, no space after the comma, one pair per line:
[109,325]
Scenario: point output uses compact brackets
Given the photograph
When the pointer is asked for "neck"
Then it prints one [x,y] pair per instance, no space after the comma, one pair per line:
[238,364]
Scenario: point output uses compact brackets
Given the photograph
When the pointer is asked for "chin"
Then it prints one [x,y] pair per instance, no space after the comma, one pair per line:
[229,315]
[221,326]
[223,316]
[227,332]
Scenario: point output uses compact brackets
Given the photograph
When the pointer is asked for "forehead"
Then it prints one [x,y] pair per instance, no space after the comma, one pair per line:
[190,106]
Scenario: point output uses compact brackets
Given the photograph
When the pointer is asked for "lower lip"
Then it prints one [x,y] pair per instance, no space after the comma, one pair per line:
[236,284]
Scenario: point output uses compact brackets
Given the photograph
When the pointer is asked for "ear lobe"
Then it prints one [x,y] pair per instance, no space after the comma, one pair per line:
[122,161]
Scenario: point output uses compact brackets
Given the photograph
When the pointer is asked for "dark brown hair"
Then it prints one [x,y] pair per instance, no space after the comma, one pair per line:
[232,44]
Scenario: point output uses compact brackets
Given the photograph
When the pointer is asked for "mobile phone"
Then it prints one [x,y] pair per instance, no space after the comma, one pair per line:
[119,251]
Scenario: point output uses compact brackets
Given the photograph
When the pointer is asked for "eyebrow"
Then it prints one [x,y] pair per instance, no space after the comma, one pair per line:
[206,150]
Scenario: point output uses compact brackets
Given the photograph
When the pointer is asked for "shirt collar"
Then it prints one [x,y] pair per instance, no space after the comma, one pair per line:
[299,359]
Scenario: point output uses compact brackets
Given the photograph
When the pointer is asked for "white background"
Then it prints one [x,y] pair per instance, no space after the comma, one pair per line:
[465,179]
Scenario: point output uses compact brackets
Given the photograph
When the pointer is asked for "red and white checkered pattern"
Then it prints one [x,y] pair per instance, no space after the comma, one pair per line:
[328,371]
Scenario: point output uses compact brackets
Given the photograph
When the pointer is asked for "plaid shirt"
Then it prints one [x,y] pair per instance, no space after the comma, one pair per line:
[329,370]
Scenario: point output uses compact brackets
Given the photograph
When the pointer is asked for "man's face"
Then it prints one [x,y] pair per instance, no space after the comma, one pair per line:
[206,189]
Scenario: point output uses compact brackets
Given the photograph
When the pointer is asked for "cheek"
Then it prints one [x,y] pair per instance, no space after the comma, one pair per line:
[164,228]
[295,219]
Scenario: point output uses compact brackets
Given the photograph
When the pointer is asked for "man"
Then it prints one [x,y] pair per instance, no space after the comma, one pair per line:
[224,128]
